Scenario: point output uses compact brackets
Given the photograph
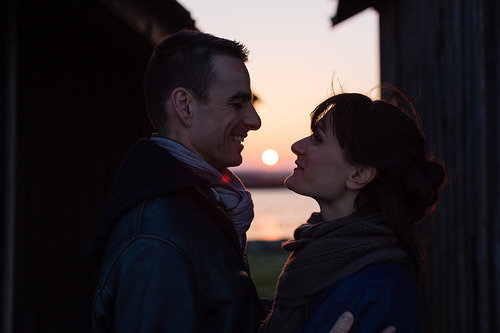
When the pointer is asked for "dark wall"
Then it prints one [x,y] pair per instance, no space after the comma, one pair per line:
[446,56]
[80,108]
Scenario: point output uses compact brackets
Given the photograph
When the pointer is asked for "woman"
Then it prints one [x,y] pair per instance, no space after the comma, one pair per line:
[366,165]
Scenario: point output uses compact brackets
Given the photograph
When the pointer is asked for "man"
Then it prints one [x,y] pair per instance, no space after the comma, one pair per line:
[171,246]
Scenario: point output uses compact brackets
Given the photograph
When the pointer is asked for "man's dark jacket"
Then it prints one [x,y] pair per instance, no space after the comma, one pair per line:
[168,255]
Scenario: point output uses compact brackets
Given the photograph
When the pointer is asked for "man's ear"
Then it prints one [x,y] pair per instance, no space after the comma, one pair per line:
[183,104]
[361,176]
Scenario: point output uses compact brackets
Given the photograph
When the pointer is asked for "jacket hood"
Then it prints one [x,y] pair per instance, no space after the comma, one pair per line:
[147,172]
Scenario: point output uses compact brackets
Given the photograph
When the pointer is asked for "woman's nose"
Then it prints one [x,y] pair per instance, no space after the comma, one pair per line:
[298,147]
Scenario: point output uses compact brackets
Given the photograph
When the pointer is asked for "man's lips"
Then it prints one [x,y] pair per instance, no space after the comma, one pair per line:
[238,138]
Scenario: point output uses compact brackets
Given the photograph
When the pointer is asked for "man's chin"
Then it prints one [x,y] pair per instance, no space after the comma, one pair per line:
[233,163]
[236,161]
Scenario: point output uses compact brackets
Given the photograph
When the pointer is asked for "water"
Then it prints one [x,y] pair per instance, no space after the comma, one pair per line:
[278,212]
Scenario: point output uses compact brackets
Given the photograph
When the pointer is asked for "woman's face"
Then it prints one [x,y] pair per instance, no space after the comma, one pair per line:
[322,170]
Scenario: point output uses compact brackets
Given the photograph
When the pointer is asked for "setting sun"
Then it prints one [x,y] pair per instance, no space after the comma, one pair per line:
[270,157]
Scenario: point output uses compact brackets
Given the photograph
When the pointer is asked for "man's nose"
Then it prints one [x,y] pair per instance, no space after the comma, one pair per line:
[252,119]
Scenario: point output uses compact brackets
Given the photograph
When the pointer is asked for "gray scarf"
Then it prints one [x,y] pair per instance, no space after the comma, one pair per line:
[227,187]
[324,252]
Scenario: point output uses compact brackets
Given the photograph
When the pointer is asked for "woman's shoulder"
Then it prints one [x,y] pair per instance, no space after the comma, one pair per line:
[379,294]
[385,275]
[384,278]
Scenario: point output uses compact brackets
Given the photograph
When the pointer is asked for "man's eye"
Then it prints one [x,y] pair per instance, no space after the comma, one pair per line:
[237,106]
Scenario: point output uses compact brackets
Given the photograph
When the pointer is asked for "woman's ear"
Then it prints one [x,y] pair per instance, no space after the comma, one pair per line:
[361,176]
[183,104]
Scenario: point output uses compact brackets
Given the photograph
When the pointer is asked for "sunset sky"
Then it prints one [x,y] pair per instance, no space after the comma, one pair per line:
[296,56]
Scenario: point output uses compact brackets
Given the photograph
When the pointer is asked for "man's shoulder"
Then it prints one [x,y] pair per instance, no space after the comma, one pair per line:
[176,210]
[168,214]
[172,220]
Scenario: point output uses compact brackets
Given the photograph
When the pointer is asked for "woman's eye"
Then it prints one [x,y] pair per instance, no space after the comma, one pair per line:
[316,137]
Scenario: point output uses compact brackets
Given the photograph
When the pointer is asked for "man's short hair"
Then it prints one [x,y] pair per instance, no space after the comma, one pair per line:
[184,59]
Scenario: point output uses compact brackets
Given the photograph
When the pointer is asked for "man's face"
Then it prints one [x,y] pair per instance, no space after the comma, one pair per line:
[221,124]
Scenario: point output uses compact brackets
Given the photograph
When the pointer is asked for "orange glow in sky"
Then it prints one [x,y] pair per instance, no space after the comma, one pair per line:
[296,59]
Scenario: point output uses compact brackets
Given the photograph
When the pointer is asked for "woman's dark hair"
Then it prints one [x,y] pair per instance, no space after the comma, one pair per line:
[382,135]
[184,59]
